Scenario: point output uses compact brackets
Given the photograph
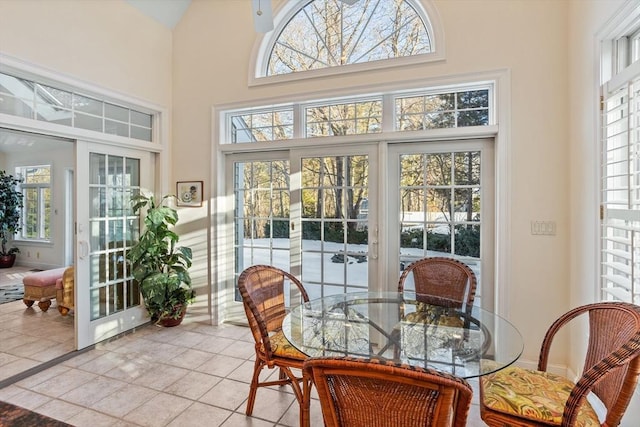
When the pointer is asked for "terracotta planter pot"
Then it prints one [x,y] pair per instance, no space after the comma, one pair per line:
[169,321]
[6,261]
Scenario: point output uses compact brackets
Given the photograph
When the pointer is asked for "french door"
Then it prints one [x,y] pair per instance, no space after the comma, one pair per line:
[442,197]
[350,220]
[335,233]
[108,301]
[306,212]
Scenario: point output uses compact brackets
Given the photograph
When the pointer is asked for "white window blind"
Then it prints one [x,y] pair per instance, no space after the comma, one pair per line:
[621,193]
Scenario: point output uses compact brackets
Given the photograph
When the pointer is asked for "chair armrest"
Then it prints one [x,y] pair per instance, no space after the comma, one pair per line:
[545,348]
[589,378]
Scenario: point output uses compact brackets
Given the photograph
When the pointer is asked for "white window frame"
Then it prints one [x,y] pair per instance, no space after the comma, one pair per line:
[619,270]
[41,219]
[389,121]
[499,130]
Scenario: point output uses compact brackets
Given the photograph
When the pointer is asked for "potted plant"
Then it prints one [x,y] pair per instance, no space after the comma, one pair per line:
[159,265]
[10,211]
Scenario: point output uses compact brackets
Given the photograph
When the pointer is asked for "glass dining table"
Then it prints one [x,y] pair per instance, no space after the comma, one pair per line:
[402,328]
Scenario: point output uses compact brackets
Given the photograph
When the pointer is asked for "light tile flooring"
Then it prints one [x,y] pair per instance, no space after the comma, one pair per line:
[29,336]
[191,375]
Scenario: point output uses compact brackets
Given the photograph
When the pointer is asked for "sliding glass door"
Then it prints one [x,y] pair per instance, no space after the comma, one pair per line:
[108,300]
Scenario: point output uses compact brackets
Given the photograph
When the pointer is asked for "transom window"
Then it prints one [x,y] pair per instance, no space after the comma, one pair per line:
[267,125]
[443,110]
[33,100]
[36,211]
[336,33]
[420,110]
[344,119]
[323,34]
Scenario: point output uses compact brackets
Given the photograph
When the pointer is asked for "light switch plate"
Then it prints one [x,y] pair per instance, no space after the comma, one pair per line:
[543,228]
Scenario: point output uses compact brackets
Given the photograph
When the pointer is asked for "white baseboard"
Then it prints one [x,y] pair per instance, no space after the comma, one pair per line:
[39,266]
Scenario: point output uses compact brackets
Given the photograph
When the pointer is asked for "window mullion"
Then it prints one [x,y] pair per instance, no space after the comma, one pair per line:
[388,113]
[299,121]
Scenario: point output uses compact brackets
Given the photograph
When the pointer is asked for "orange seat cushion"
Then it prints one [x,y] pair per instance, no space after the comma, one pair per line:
[281,347]
[533,395]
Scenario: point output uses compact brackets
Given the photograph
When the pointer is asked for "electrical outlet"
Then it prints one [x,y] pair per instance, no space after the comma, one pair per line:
[543,228]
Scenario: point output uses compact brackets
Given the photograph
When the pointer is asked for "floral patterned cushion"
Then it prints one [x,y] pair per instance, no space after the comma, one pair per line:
[433,315]
[533,395]
[281,347]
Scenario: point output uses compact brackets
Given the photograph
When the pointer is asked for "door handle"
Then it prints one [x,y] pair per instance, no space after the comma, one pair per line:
[374,245]
[83,247]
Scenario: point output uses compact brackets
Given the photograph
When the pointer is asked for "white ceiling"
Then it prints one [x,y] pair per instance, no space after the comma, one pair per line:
[16,141]
[166,12]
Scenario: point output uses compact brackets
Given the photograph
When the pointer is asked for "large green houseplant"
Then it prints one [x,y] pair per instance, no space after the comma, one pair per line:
[10,211]
[159,265]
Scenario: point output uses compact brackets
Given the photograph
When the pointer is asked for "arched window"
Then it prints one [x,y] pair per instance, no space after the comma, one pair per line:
[324,34]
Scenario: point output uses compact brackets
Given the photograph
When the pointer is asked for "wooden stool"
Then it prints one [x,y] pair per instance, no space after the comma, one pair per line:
[41,287]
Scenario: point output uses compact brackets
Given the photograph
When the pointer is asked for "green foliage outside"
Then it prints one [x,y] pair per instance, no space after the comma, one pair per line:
[333,232]
[467,239]
[280,229]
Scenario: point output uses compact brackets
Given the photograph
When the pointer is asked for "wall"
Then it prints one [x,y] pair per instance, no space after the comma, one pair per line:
[106,43]
[212,48]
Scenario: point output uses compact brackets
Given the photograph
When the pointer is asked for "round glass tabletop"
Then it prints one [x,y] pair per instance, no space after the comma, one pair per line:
[399,327]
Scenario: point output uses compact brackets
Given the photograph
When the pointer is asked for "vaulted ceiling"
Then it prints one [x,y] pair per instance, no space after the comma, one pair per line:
[166,12]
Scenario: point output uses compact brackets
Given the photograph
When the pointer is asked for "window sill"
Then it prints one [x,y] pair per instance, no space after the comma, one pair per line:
[32,242]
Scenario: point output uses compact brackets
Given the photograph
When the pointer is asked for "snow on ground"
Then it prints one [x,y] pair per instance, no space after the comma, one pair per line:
[318,266]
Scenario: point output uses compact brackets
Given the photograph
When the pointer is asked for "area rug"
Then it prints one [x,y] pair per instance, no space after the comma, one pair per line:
[13,291]
[15,416]
[9,293]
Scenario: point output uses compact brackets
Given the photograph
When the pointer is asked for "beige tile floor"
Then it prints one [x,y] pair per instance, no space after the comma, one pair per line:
[191,375]
[29,336]
[21,347]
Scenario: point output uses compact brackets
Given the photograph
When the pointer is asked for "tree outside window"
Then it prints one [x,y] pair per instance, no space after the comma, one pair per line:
[331,33]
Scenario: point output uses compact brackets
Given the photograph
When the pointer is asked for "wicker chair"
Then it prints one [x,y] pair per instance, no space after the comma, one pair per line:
[263,294]
[442,281]
[521,397]
[439,281]
[379,393]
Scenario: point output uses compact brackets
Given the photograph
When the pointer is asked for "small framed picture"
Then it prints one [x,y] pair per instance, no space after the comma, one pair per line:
[189,193]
